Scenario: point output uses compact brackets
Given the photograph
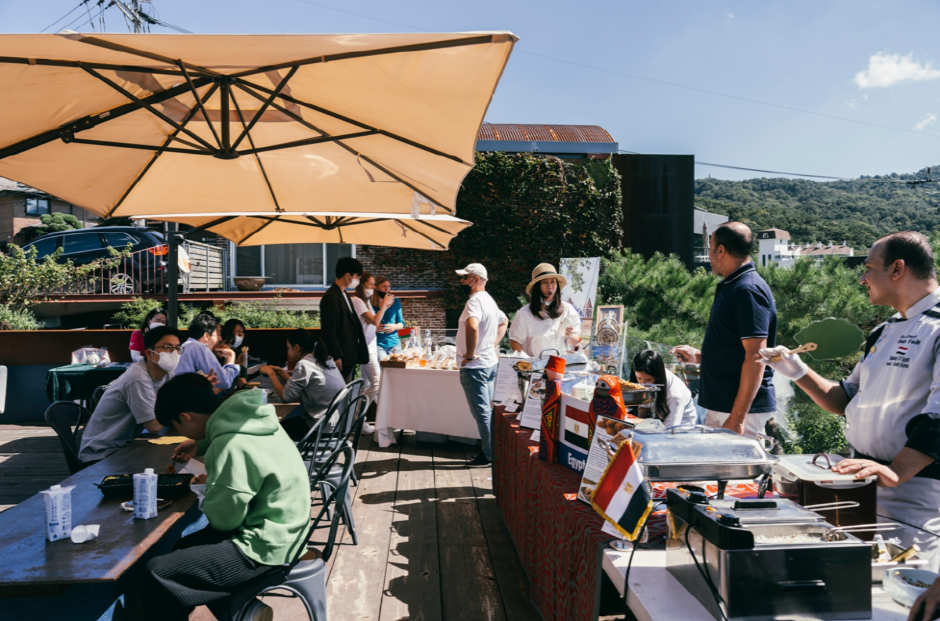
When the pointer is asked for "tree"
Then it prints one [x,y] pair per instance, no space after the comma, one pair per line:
[54,223]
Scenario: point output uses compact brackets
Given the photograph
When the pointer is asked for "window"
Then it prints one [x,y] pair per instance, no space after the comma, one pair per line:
[81,242]
[291,264]
[37,206]
[248,261]
[118,240]
[45,246]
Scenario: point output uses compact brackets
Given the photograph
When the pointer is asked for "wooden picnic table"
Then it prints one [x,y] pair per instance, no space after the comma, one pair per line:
[27,559]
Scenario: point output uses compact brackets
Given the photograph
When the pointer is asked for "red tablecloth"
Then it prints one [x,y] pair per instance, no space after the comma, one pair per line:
[556,535]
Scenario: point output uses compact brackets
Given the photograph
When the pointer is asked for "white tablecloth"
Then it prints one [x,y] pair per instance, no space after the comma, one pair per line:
[422,400]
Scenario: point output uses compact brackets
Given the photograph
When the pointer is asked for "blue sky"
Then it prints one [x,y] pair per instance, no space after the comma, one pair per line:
[872,62]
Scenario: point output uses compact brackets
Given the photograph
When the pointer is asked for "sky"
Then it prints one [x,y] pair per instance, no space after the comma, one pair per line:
[776,73]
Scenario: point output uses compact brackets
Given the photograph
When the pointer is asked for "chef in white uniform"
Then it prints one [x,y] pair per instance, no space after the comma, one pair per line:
[546,322]
[891,400]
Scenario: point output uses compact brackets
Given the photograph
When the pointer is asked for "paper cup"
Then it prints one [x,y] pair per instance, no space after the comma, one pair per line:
[83,533]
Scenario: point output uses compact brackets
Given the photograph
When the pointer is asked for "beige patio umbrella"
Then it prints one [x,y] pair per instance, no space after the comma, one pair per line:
[262,228]
[126,125]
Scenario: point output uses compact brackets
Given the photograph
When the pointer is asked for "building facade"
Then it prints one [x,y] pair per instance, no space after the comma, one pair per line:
[775,248]
[21,206]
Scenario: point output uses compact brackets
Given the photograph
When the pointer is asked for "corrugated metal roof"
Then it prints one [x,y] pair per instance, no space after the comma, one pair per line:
[543,133]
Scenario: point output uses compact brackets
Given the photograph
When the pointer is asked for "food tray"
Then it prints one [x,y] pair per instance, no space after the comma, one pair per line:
[168,485]
[393,364]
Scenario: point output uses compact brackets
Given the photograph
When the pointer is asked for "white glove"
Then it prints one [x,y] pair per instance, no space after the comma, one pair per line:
[789,365]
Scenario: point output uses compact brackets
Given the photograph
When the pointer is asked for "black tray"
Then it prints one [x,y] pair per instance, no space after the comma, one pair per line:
[168,485]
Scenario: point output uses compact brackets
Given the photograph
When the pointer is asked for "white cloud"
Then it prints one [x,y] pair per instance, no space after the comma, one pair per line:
[856,103]
[928,120]
[888,69]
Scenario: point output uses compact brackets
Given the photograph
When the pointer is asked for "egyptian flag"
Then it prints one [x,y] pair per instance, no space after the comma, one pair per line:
[577,429]
[621,497]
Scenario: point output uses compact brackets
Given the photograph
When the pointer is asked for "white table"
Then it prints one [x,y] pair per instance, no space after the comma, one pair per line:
[430,400]
[655,595]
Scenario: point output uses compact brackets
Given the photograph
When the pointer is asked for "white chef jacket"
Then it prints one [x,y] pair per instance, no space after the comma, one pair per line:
[538,334]
[679,401]
[898,379]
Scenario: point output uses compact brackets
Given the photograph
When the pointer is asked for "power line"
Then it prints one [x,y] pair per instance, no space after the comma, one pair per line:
[63,17]
[639,77]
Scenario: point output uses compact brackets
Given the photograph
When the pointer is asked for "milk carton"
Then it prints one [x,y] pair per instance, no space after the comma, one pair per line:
[145,495]
[58,502]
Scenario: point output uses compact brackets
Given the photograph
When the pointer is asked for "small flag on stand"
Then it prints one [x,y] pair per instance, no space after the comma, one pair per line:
[621,497]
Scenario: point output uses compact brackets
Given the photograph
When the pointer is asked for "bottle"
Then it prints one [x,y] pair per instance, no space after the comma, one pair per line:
[145,495]
[58,501]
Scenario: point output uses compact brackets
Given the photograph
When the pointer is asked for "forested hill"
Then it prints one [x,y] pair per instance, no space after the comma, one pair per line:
[858,211]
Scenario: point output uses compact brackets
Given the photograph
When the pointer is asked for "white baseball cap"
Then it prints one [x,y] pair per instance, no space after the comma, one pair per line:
[475,269]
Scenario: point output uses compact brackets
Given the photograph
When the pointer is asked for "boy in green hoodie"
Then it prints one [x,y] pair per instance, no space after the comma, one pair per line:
[257,499]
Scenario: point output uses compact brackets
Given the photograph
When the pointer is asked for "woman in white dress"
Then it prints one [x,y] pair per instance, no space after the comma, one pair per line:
[370,320]
[546,322]
[673,404]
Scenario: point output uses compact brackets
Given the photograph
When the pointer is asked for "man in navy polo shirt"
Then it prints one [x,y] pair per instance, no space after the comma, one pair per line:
[736,387]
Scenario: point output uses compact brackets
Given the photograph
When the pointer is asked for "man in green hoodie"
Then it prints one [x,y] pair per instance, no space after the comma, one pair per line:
[257,499]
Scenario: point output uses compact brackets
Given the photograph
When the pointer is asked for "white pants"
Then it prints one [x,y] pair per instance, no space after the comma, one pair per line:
[753,423]
[916,502]
[372,373]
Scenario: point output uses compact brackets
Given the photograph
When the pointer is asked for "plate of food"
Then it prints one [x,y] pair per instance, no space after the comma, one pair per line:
[905,585]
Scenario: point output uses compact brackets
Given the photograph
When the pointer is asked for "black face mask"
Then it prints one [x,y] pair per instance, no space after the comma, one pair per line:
[381,294]
[466,289]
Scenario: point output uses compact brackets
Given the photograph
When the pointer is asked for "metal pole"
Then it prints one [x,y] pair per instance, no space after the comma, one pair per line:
[136,19]
[174,239]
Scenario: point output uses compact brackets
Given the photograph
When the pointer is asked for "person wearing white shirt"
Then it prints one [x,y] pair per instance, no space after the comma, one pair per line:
[482,326]
[370,321]
[673,404]
[546,322]
[891,400]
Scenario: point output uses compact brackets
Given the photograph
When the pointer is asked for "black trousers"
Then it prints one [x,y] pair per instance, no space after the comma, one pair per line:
[204,568]
[296,427]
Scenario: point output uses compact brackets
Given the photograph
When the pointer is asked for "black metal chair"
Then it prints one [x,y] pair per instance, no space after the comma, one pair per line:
[57,416]
[304,577]
[96,395]
[325,437]
[332,480]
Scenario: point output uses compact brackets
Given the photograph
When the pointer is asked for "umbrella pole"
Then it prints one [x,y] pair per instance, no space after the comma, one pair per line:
[173,305]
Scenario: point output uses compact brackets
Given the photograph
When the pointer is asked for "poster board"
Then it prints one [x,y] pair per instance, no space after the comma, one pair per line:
[532,410]
[608,339]
[580,289]
[598,457]
[507,382]
[575,432]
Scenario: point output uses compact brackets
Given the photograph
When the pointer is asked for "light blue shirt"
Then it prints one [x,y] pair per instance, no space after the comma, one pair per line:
[197,357]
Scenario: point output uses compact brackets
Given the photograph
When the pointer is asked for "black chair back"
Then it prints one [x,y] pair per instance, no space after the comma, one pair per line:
[96,396]
[57,416]
[323,438]
[335,498]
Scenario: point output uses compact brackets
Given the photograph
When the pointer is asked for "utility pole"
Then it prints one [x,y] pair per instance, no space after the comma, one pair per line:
[135,9]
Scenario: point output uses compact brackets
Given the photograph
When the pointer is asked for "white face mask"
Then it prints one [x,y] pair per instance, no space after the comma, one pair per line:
[156,324]
[238,341]
[353,284]
[368,292]
[168,360]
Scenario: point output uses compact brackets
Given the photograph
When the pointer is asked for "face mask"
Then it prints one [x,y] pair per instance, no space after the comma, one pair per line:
[466,289]
[369,292]
[156,324]
[168,360]
[382,294]
[238,341]
[353,284]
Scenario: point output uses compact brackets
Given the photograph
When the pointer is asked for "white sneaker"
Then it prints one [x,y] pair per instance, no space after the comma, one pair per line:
[258,611]
[367,429]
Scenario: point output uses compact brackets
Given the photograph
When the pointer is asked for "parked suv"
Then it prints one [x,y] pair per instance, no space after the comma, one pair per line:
[145,270]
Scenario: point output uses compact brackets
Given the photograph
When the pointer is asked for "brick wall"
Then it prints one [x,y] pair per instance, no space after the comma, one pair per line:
[13,217]
[428,273]
[427,313]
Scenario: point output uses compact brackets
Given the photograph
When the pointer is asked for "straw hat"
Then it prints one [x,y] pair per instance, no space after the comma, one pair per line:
[543,271]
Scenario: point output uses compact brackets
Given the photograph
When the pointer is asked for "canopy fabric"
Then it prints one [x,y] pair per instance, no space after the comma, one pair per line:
[377,229]
[125,125]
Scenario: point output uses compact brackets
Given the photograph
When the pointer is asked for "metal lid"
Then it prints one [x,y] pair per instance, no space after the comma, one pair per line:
[793,467]
[696,444]
[783,512]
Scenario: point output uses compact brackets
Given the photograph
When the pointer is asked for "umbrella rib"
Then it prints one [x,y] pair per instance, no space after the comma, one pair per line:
[144,147]
[14,60]
[202,107]
[242,85]
[411,228]
[304,143]
[169,139]
[264,106]
[313,219]
[352,121]
[135,52]
[91,121]
[400,49]
[146,105]
[436,228]
[258,230]
[228,93]
[392,175]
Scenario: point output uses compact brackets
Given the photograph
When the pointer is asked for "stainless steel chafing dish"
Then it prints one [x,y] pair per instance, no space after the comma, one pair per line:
[698,453]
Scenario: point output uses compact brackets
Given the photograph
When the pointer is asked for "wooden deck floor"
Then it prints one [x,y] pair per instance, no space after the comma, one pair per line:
[432,544]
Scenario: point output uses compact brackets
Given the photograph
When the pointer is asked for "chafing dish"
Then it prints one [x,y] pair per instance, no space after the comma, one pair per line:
[698,453]
[766,559]
[640,397]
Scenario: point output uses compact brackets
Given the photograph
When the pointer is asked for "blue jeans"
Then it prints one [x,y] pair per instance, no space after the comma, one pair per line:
[478,385]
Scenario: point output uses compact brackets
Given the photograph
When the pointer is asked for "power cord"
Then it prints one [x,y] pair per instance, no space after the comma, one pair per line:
[711,585]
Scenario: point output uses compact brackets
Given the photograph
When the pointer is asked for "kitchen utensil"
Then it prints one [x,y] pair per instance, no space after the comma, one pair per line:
[911,560]
[802,349]
[835,533]
[834,338]
[904,585]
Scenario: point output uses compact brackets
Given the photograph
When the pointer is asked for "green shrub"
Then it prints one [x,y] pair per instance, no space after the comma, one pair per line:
[254,314]
[19,319]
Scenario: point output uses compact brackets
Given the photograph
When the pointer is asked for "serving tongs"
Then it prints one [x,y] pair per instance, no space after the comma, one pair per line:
[832,506]
[833,533]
